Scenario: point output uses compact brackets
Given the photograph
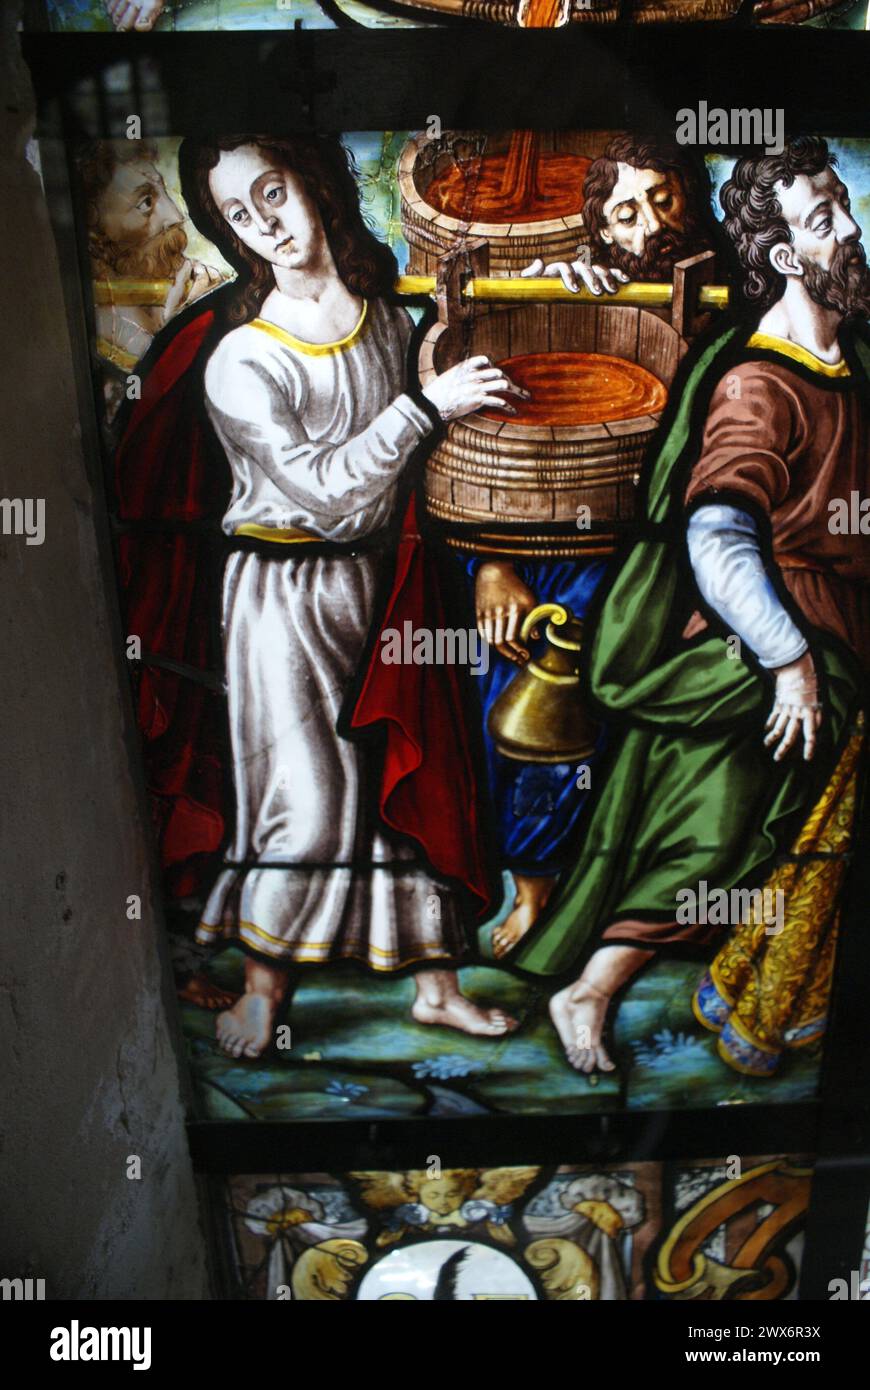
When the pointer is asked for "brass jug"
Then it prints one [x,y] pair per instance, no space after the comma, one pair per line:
[540,716]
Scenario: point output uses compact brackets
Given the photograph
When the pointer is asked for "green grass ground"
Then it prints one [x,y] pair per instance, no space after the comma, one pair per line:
[356,1053]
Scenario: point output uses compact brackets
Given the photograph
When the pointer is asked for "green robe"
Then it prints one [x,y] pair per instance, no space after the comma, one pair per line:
[691,792]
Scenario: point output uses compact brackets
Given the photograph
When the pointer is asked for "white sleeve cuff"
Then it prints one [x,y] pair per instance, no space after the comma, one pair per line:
[414,414]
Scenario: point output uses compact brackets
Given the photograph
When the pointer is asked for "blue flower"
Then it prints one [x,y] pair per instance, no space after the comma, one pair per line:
[348,1090]
[665,1047]
[443,1068]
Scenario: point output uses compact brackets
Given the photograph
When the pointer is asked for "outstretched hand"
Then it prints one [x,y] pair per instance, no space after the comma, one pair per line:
[796,709]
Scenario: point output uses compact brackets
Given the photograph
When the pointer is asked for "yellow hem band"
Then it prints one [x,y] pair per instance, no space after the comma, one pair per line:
[110,352]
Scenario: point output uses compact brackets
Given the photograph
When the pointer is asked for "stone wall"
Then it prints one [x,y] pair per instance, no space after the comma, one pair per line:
[91,1070]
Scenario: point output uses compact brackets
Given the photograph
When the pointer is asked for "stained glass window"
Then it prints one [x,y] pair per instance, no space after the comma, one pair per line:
[488,497]
[305,838]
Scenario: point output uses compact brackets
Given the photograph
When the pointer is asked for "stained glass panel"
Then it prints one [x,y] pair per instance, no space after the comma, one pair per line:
[629,1232]
[407,790]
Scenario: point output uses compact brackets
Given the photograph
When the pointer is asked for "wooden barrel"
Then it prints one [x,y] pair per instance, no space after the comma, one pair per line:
[682,11]
[430,232]
[501,487]
[515,13]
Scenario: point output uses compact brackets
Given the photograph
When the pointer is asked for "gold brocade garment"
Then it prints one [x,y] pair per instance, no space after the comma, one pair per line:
[769,986]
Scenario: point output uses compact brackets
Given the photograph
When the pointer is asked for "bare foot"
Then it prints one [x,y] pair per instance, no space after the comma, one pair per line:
[514,927]
[199,990]
[140,15]
[579,1012]
[459,1012]
[439,1001]
[529,903]
[245,1030]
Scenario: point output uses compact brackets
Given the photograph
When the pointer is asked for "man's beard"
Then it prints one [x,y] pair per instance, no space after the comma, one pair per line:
[661,252]
[158,259]
[845,288]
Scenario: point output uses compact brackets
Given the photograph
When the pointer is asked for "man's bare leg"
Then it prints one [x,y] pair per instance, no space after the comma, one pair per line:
[140,15]
[580,1011]
[439,1001]
[531,898]
[246,1029]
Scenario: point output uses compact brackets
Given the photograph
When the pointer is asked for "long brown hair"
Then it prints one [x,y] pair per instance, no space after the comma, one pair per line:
[329,176]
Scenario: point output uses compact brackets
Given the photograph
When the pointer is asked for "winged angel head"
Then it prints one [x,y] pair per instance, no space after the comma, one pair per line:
[424,1202]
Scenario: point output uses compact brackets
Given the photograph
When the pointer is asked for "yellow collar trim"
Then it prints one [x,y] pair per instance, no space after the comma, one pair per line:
[312,349]
[770,343]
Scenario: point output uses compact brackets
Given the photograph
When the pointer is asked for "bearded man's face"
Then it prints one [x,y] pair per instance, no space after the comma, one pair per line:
[647,224]
[845,287]
[827,242]
[137,230]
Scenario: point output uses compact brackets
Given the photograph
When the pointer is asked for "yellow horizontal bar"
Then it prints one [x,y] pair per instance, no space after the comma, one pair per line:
[505,290]
[645,294]
[713,297]
[415,284]
[519,288]
[130,292]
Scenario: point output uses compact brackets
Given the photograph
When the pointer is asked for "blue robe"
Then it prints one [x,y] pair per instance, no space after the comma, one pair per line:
[536,805]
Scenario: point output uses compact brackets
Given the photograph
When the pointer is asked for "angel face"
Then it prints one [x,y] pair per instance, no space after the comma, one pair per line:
[443,1195]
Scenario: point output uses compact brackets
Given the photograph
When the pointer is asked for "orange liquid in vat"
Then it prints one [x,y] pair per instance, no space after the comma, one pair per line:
[542,14]
[525,184]
[579,388]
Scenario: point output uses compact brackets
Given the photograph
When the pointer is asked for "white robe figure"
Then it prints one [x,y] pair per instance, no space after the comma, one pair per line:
[316,436]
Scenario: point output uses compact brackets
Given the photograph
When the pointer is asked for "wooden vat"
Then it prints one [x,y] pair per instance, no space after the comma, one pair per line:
[431,232]
[502,487]
[518,13]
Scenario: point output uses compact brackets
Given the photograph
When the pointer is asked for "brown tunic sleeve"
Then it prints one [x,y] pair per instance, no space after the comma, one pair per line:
[752,422]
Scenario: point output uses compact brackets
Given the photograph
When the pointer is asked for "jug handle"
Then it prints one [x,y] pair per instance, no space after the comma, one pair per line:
[554,611]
